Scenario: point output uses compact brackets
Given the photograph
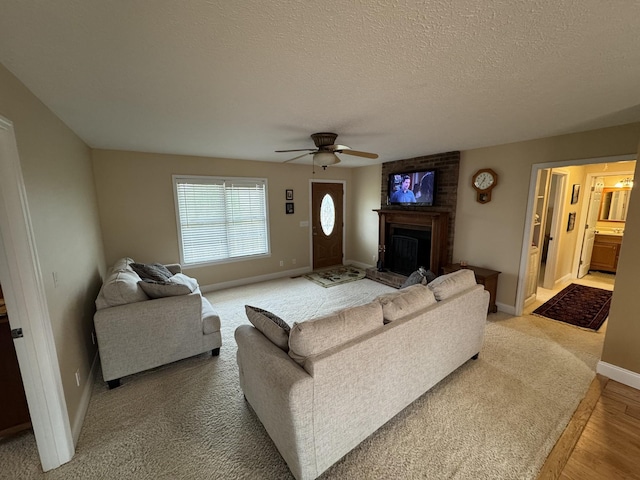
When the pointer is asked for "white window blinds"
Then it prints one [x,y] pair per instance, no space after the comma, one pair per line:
[220,219]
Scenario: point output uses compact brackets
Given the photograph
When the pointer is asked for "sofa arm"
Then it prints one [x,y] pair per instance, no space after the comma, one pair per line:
[142,335]
[281,394]
[174,268]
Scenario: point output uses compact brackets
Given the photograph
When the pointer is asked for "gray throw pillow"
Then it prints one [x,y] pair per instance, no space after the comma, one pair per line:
[161,290]
[421,275]
[155,272]
[270,325]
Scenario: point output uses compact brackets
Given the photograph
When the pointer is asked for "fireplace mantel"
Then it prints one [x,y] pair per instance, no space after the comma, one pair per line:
[437,221]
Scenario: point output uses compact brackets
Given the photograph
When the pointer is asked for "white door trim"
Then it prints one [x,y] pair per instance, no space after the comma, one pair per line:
[528,232]
[555,231]
[23,287]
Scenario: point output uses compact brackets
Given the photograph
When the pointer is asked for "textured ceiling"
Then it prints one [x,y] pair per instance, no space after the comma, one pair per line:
[400,78]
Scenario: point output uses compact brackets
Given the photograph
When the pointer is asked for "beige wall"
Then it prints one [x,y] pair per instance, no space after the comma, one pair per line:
[622,343]
[137,212]
[363,242]
[58,176]
[491,235]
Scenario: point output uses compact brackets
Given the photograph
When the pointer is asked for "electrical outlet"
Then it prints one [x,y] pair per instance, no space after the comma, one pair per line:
[373,257]
[55,279]
[282,263]
[78,377]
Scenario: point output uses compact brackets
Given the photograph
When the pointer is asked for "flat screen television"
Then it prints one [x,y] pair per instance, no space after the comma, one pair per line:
[412,188]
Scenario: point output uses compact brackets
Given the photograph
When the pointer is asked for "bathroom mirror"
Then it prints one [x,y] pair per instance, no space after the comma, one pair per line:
[614,203]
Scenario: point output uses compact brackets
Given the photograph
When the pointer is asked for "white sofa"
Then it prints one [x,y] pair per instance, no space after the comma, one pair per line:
[137,332]
[341,377]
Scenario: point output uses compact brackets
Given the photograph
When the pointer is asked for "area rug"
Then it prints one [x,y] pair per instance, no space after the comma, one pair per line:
[579,305]
[336,275]
[497,417]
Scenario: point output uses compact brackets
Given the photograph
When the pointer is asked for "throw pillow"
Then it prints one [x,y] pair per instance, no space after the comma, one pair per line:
[182,279]
[446,286]
[405,302]
[270,325]
[155,272]
[161,290]
[421,275]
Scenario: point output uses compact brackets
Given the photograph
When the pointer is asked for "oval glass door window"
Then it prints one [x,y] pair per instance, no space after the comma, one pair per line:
[327,214]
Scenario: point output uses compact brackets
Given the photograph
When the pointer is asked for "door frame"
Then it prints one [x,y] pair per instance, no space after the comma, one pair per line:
[23,287]
[556,221]
[584,210]
[528,230]
[344,216]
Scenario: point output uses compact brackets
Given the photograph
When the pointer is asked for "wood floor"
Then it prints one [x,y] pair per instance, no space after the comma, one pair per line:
[602,440]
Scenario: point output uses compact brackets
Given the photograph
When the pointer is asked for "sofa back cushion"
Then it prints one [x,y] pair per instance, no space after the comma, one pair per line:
[446,286]
[318,335]
[120,288]
[404,302]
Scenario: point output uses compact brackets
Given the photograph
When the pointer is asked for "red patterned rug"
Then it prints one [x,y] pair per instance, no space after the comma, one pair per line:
[585,307]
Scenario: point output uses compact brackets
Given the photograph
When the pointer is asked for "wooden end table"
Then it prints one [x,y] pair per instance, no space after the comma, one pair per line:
[484,276]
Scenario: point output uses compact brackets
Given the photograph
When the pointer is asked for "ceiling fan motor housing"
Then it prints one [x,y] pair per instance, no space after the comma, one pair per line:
[324,139]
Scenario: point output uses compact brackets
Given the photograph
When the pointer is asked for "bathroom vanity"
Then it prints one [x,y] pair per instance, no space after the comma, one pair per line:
[606,249]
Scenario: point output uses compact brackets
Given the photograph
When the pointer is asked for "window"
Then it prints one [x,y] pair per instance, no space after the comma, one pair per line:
[221,219]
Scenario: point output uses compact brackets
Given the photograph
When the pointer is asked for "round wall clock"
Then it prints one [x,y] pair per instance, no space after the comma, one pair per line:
[484,181]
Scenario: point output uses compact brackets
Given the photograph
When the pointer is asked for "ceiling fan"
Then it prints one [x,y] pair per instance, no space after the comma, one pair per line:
[325,153]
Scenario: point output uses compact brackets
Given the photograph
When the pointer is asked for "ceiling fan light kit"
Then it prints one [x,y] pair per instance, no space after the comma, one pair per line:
[324,159]
[325,153]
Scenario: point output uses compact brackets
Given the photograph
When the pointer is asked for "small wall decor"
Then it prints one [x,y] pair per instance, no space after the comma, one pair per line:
[572,221]
[575,194]
[289,207]
[289,194]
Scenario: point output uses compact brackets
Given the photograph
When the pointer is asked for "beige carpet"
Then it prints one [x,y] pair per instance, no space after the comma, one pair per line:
[494,418]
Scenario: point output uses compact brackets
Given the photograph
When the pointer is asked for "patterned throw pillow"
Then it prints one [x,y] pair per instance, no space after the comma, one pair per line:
[270,325]
[154,272]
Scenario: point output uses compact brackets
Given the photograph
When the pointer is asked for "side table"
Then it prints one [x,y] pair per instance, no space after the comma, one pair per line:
[484,276]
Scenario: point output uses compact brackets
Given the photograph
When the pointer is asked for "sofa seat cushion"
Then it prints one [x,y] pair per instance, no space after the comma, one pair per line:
[315,336]
[210,318]
[270,325]
[120,288]
[446,286]
[404,302]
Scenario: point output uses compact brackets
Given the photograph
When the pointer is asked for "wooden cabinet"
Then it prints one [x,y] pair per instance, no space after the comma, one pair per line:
[14,412]
[606,249]
[484,276]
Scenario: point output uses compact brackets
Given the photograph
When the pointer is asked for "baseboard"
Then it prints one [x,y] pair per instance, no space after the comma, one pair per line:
[78,420]
[358,264]
[567,278]
[249,280]
[503,307]
[627,377]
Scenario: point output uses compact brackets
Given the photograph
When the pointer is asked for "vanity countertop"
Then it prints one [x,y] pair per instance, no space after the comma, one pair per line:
[608,232]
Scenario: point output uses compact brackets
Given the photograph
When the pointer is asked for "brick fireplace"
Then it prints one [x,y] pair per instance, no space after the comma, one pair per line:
[426,232]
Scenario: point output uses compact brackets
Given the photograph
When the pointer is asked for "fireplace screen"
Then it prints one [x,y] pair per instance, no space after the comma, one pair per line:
[409,250]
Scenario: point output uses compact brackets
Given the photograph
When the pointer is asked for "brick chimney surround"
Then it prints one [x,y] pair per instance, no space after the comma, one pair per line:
[438,219]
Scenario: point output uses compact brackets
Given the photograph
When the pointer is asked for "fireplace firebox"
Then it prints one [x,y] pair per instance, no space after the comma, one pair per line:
[410,248]
[412,238]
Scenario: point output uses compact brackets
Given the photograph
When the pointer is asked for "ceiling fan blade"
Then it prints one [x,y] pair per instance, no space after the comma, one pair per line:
[359,154]
[298,150]
[296,158]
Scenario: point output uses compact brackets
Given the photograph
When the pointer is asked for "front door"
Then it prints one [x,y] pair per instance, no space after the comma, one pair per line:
[326,224]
